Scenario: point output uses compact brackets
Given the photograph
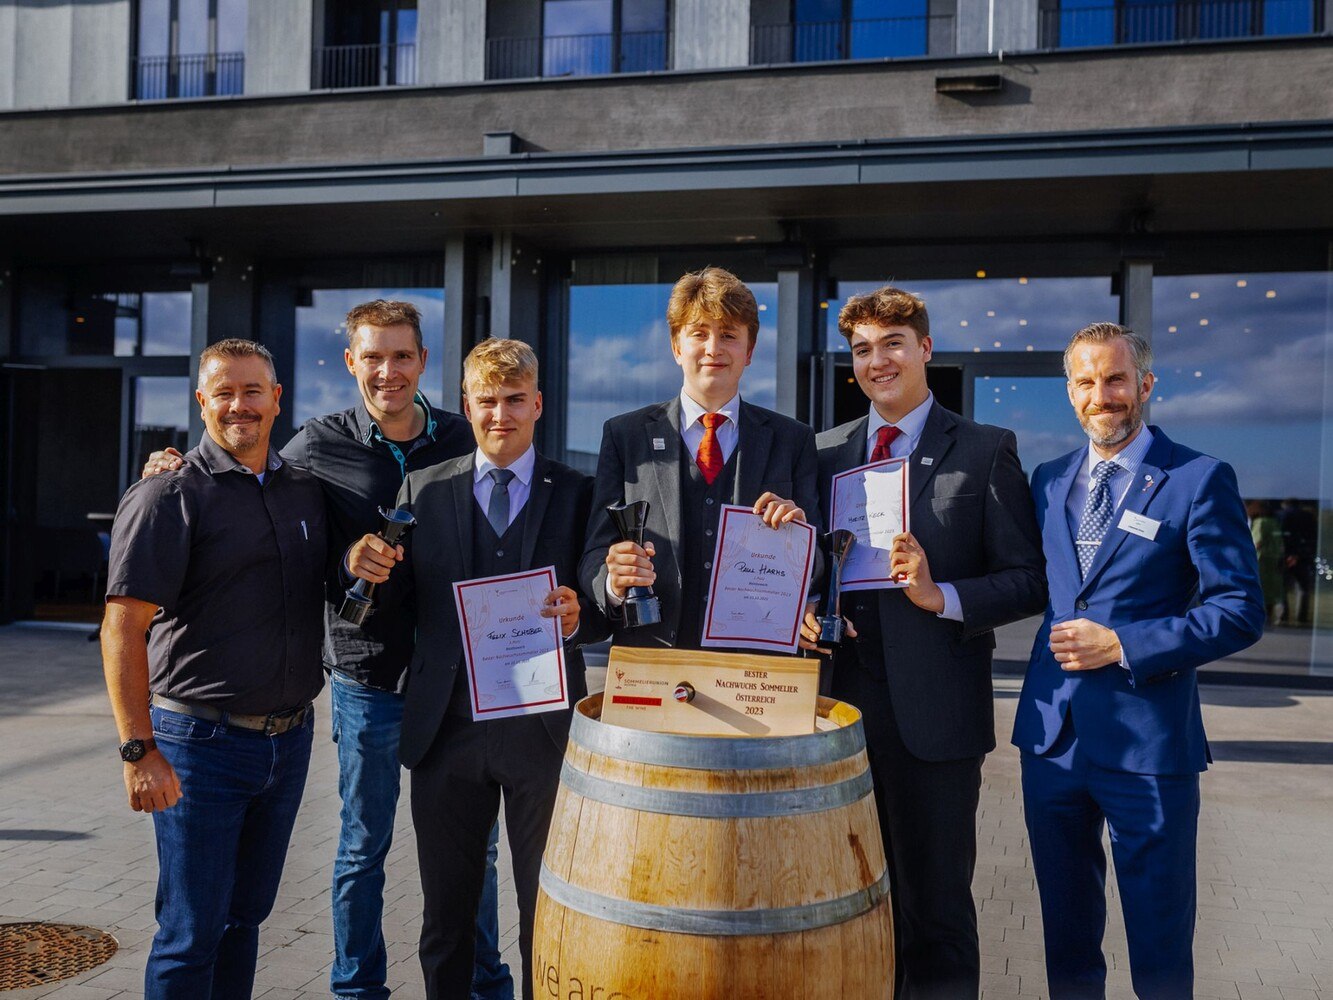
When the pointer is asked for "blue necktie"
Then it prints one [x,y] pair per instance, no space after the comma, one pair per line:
[1096,518]
[497,511]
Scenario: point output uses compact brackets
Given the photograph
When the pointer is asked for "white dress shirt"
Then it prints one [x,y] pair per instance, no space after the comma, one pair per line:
[520,487]
[910,429]
[692,431]
[1128,459]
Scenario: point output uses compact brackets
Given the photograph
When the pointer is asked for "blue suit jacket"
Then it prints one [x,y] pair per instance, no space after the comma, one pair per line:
[1188,596]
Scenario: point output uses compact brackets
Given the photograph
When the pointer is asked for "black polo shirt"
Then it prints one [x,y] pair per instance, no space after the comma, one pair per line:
[361,470]
[237,571]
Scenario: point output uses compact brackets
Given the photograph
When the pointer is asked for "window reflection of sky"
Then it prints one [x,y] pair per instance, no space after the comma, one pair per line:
[620,355]
[1241,367]
[321,383]
[983,315]
[1036,409]
[163,401]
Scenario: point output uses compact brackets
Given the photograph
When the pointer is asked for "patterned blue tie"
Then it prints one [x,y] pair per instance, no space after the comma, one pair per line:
[1096,516]
[497,511]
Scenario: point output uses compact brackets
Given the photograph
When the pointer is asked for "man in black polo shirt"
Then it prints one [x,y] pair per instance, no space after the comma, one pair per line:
[224,559]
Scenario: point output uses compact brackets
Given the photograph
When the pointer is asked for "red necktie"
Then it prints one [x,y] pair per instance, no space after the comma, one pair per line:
[887,435]
[709,458]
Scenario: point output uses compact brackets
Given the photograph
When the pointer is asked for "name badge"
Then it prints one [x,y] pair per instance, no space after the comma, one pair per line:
[1138,524]
[927,461]
[659,444]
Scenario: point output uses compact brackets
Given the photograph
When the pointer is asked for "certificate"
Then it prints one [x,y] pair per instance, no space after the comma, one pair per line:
[757,595]
[514,657]
[871,502]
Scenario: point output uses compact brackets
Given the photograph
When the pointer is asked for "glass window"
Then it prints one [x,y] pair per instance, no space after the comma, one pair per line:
[883,29]
[989,315]
[161,417]
[1035,408]
[1244,374]
[577,37]
[620,357]
[321,383]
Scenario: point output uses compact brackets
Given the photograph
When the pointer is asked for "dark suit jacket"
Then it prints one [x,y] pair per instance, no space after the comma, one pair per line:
[439,554]
[773,453]
[1177,601]
[972,513]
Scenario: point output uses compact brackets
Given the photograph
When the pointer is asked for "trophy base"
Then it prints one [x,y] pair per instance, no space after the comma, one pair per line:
[355,608]
[642,610]
[831,630]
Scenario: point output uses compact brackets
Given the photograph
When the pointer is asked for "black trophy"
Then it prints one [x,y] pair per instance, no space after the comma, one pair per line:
[831,625]
[641,605]
[359,599]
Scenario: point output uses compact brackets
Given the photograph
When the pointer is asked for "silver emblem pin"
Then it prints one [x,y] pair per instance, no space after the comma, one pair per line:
[659,444]
[927,461]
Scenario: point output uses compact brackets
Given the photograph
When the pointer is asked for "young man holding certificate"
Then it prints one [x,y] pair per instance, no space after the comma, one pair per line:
[489,569]
[917,660]
[688,457]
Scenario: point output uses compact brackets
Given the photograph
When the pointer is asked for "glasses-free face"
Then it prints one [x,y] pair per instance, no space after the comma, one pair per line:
[238,401]
[712,354]
[1106,394]
[504,417]
[889,363]
[387,365]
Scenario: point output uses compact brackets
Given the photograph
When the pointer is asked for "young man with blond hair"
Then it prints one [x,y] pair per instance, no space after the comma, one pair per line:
[501,509]
[689,455]
[918,660]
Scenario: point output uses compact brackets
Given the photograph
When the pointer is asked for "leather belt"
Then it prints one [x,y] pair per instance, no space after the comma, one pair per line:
[273,724]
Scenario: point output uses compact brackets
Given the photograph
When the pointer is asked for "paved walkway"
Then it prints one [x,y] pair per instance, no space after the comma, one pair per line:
[71,850]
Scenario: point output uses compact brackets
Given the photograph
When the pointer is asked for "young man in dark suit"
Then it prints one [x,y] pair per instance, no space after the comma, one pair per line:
[688,456]
[918,660]
[502,509]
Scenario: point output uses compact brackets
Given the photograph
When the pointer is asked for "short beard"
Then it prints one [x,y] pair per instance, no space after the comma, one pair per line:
[1121,433]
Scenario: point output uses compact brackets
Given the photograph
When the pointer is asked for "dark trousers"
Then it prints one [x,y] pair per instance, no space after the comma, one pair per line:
[928,817]
[1067,801]
[455,800]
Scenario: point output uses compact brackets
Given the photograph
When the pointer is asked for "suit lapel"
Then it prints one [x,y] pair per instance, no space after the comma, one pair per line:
[539,496]
[1147,481]
[665,427]
[847,455]
[1056,528]
[753,447]
[936,440]
[461,492]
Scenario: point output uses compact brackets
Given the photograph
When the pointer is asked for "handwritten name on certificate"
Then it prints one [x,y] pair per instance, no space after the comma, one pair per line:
[871,501]
[515,659]
[756,599]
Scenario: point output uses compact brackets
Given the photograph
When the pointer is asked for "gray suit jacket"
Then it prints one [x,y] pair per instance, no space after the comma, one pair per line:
[972,512]
[774,453]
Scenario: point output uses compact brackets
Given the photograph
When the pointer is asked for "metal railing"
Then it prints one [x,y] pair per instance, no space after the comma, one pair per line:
[578,55]
[879,38]
[162,77]
[375,65]
[1130,23]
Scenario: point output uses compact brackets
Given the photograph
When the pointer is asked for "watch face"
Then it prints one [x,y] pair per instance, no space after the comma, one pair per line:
[132,750]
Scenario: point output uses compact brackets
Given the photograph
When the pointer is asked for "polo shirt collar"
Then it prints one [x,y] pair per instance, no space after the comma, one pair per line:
[369,431]
[521,467]
[217,459]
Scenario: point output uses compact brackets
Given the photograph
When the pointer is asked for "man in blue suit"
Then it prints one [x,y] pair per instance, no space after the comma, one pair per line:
[1152,574]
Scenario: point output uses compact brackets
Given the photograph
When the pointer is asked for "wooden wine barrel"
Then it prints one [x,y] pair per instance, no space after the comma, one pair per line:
[698,867]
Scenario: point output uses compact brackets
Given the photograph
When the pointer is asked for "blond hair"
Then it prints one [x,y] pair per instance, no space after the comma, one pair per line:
[495,361]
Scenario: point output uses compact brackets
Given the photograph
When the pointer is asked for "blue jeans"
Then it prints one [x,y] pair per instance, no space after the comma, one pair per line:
[220,852]
[366,726]
[490,976]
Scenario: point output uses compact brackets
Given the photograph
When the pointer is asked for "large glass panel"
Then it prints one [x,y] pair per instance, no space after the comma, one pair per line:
[161,417]
[990,315]
[1242,362]
[154,28]
[1035,408]
[620,357]
[818,32]
[886,28]
[231,25]
[1077,23]
[577,37]
[643,35]
[165,320]
[321,383]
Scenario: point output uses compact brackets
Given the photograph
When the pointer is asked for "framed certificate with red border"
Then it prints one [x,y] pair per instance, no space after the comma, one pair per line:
[514,657]
[871,502]
[759,580]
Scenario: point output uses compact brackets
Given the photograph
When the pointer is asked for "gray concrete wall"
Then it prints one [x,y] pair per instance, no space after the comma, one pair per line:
[42,54]
[59,54]
[8,36]
[451,41]
[1199,85]
[709,34]
[100,37]
[278,39]
[1016,23]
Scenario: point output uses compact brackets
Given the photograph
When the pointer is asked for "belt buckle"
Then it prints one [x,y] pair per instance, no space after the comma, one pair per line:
[270,725]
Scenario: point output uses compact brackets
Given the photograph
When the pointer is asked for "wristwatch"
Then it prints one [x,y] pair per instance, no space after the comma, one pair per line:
[136,750]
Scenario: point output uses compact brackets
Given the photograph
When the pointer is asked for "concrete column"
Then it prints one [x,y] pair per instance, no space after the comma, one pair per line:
[709,34]
[8,38]
[460,333]
[278,39]
[225,307]
[42,55]
[516,301]
[796,343]
[100,42]
[1136,303]
[451,41]
[996,26]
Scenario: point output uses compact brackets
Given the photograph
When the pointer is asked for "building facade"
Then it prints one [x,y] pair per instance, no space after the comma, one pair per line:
[173,172]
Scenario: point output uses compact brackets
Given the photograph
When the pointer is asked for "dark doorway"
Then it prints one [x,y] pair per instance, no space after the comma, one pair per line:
[65,448]
[945,381]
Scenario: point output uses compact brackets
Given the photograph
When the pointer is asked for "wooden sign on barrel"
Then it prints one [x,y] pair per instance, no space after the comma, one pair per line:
[684,867]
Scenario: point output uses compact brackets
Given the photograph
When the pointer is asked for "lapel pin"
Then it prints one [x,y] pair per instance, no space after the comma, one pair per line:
[659,444]
[927,460]
[546,480]
[1147,483]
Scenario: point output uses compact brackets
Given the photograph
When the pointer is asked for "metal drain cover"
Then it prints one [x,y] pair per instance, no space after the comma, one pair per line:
[34,954]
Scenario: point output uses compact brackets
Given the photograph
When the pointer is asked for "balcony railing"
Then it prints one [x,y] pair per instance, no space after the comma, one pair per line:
[158,78]
[1130,23]
[578,55]
[880,38]
[376,65]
